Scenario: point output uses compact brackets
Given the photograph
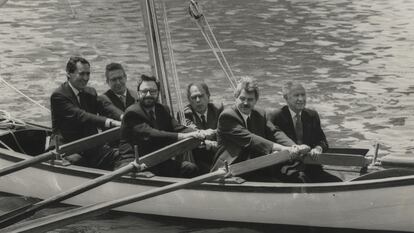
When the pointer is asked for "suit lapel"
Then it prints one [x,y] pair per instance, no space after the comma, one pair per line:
[290,125]
[238,114]
[70,94]
[129,99]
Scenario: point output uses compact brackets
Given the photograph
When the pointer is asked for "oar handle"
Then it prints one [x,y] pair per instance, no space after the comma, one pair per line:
[25,163]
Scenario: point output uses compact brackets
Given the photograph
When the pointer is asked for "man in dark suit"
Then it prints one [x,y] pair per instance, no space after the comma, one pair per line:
[77,113]
[201,114]
[244,133]
[118,94]
[150,126]
[303,126]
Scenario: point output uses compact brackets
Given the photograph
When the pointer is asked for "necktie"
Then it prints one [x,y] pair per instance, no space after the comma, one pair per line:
[123,100]
[203,122]
[248,123]
[82,100]
[299,129]
[152,115]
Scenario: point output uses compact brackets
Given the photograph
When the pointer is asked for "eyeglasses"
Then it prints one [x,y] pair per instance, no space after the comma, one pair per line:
[194,97]
[151,91]
[115,79]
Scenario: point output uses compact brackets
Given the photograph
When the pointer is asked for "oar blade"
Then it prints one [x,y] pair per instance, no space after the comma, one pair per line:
[259,162]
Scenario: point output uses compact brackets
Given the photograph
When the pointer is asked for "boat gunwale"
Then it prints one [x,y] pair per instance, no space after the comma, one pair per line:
[248,186]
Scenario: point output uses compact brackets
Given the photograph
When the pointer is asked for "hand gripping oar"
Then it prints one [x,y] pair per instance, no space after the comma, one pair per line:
[74,215]
[149,160]
[67,149]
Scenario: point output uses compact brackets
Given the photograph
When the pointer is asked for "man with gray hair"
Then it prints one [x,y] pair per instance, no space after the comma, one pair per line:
[303,126]
[244,132]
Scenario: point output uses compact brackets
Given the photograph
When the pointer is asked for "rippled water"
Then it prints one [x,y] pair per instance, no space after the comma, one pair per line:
[355,58]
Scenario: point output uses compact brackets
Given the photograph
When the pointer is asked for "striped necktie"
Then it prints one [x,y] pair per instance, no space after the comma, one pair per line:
[203,122]
[299,129]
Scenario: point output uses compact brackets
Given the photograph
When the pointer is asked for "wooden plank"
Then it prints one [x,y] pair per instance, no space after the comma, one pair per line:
[69,148]
[73,215]
[335,159]
[150,160]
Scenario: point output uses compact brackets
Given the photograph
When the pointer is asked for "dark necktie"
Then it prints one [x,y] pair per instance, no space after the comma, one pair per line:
[123,100]
[203,122]
[299,129]
[82,100]
[248,123]
[151,115]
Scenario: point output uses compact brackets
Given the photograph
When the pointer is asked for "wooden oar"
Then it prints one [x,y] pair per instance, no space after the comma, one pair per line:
[74,215]
[149,160]
[67,149]
[337,159]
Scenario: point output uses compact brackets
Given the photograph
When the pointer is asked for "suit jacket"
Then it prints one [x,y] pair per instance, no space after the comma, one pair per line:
[313,134]
[109,97]
[203,158]
[213,113]
[237,143]
[69,121]
[138,129]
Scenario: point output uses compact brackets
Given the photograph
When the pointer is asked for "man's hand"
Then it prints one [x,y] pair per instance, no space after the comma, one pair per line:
[114,123]
[210,145]
[195,134]
[315,152]
[298,151]
[208,133]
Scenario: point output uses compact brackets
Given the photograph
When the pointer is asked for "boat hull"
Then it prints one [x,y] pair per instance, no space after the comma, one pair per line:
[384,204]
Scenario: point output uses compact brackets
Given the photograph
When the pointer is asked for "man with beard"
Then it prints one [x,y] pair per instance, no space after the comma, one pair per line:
[303,126]
[244,133]
[201,114]
[77,113]
[150,126]
[118,94]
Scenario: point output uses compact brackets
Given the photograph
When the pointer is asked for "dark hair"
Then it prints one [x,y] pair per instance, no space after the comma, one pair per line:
[201,85]
[148,79]
[71,65]
[113,66]
[248,85]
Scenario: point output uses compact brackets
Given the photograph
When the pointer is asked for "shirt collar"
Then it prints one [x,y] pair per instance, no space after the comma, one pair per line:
[76,91]
[245,116]
[204,114]
[293,114]
[123,94]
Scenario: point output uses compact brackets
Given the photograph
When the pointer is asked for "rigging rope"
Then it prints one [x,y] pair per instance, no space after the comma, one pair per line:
[22,94]
[8,122]
[175,78]
[201,20]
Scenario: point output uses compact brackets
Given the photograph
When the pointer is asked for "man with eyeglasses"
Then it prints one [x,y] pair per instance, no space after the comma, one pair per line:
[200,113]
[149,125]
[118,94]
[77,113]
[244,132]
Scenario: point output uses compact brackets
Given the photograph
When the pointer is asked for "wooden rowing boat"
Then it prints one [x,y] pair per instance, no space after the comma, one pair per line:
[359,204]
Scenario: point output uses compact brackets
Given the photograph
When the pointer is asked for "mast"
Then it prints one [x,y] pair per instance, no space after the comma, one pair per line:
[155,50]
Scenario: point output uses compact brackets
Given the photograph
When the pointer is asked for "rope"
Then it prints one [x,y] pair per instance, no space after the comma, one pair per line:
[201,20]
[22,94]
[175,78]
[7,122]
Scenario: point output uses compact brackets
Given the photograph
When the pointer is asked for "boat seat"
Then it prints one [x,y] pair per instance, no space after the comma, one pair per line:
[387,173]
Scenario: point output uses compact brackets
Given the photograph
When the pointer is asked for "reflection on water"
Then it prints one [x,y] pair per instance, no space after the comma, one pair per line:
[353,56]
